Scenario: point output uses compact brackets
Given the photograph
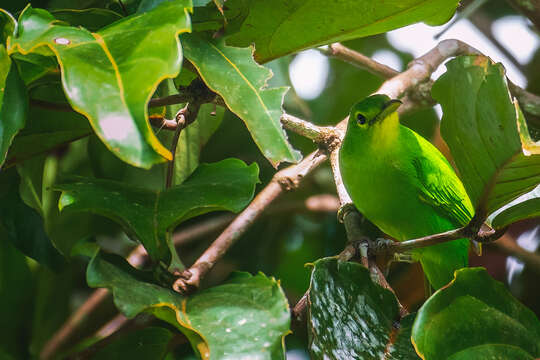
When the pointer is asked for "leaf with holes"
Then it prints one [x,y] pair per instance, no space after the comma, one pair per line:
[350,317]
[232,73]
[109,76]
[283,27]
[247,317]
[497,161]
[147,215]
[475,317]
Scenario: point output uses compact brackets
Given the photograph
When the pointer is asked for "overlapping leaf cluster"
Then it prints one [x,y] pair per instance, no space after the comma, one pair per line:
[67,74]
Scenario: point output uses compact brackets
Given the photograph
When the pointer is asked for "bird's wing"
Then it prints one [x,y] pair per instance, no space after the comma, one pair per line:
[441,188]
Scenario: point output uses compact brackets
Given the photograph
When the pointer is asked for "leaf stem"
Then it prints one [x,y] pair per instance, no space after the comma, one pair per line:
[187,115]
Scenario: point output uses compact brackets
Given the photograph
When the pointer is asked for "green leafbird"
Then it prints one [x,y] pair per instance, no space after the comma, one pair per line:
[404,185]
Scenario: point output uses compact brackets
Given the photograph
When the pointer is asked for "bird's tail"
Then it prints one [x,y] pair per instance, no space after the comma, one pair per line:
[442,260]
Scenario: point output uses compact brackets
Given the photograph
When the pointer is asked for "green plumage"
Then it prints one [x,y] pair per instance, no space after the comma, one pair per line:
[404,185]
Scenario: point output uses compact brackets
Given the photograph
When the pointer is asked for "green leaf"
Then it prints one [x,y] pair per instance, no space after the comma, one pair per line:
[13,103]
[49,311]
[475,317]
[245,318]
[147,215]
[7,26]
[282,27]
[23,225]
[480,125]
[524,207]
[46,130]
[193,138]
[91,19]
[109,76]
[233,74]
[350,317]
[16,285]
[150,343]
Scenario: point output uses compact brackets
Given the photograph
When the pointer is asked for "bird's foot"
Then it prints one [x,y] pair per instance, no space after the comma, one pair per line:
[343,210]
[381,245]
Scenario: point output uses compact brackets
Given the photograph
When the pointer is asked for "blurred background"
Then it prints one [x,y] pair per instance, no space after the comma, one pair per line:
[301,226]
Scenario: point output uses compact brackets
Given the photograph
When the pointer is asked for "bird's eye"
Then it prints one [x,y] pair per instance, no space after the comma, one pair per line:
[361,119]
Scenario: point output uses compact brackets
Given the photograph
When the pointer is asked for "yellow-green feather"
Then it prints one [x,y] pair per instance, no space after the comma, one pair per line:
[405,186]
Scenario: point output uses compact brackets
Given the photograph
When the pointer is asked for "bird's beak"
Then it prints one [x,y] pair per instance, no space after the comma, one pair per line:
[388,108]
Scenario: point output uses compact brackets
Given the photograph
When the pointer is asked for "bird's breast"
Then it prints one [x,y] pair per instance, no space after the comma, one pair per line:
[384,188]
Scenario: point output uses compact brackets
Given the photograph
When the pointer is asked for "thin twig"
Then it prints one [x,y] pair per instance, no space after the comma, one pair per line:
[359,60]
[73,322]
[136,258]
[184,118]
[481,236]
[286,179]
[434,58]
[420,69]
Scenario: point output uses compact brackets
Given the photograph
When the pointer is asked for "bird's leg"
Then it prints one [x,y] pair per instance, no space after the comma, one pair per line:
[343,210]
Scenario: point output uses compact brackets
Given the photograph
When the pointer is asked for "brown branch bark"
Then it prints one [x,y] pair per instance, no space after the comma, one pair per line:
[286,179]
[420,70]
[73,322]
[359,60]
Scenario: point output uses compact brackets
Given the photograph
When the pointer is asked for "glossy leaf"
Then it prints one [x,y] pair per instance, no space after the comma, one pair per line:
[7,26]
[91,19]
[524,207]
[193,138]
[109,76]
[150,343]
[13,103]
[350,317]
[232,73]
[475,317]
[282,27]
[245,318]
[480,125]
[23,225]
[46,130]
[146,215]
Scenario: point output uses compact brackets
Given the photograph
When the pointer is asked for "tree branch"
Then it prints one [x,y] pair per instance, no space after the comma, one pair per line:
[286,179]
[359,60]
[136,258]
[422,68]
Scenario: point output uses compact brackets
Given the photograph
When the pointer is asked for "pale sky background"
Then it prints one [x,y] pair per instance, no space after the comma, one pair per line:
[309,73]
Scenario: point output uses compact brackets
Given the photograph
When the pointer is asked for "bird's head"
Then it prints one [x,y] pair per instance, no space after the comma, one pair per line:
[371,111]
